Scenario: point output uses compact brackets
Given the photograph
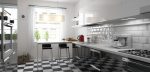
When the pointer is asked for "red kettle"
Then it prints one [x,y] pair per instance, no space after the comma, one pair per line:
[81,38]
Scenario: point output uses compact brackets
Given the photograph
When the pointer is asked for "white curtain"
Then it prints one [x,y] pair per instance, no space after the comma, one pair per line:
[32,45]
[49,19]
[32,49]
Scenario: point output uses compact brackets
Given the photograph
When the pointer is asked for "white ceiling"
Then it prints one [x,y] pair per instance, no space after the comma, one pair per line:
[65,1]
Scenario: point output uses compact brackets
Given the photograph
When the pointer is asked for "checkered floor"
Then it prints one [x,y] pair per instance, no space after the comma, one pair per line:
[9,68]
[71,65]
[93,64]
[63,65]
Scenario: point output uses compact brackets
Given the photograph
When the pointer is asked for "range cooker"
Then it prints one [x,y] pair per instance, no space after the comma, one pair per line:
[136,65]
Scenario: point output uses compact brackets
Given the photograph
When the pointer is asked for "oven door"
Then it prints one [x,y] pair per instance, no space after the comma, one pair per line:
[137,66]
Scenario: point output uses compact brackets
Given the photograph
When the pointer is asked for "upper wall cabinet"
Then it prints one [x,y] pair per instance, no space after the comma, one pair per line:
[8,2]
[89,17]
[93,11]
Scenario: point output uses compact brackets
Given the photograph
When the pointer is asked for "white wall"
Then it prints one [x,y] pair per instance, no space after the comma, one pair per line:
[24,33]
[23,27]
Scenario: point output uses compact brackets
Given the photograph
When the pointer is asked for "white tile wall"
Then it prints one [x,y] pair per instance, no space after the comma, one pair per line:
[140,34]
[135,39]
[133,28]
[146,33]
[149,40]
[137,33]
[142,27]
[137,45]
[147,46]
[148,27]
[143,40]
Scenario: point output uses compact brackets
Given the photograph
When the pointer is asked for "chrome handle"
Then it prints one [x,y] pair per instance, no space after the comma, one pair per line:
[6,59]
[95,67]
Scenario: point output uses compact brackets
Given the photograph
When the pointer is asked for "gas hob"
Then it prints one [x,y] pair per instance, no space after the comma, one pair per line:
[138,52]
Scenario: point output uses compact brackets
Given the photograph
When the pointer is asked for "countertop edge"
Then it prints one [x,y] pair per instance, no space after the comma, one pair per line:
[54,42]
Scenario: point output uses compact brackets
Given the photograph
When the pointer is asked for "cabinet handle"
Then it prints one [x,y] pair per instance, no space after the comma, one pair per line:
[6,59]
[95,67]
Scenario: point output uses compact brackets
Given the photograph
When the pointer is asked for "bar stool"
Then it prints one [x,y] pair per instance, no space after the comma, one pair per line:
[64,46]
[75,48]
[47,47]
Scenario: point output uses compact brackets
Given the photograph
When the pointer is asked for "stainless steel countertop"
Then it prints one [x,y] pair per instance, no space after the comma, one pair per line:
[109,49]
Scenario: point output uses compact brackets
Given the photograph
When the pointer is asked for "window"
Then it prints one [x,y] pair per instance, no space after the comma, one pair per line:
[48,24]
[13,11]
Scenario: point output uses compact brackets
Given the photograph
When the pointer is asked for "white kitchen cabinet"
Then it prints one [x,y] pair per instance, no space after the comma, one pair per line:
[93,11]
[89,17]
[92,16]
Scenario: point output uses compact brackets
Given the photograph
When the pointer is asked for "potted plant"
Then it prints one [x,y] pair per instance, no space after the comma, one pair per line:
[37,35]
[14,35]
[22,59]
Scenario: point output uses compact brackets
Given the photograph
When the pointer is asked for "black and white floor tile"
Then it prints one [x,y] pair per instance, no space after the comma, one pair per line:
[9,68]
[106,64]
[89,64]
[63,65]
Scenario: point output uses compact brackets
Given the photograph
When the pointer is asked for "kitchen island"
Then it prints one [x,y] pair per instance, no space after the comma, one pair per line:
[55,49]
